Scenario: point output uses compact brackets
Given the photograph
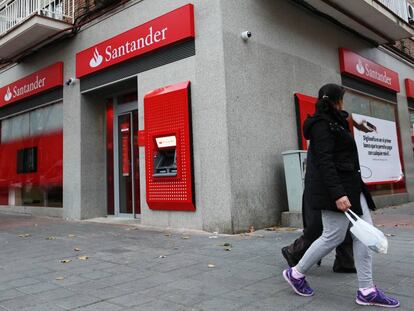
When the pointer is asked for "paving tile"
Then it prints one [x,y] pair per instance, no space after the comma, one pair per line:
[186,297]
[9,293]
[108,292]
[131,300]
[43,307]
[76,301]
[157,305]
[218,303]
[95,275]
[18,283]
[20,302]
[37,288]
[100,306]
[54,294]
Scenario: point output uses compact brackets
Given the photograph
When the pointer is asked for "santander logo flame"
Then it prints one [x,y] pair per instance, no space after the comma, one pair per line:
[96,60]
[360,68]
[8,95]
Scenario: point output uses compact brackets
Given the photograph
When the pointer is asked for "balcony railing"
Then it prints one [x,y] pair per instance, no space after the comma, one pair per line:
[398,7]
[16,12]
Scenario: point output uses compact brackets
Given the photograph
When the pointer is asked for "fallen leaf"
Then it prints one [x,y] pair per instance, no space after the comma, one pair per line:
[71,235]
[60,278]
[83,257]
[162,256]
[51,238]
[77,249]
[25,235]
[185,237]
[228,249]
[290,229]
[389,234]
[65,260]
[167,234]
[380,225]
[226,244]
[210,265]
[251,229]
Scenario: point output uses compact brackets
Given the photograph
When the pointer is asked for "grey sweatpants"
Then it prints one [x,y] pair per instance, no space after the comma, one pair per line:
[335,226]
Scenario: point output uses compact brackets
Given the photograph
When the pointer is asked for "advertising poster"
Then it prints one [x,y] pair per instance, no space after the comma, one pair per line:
[378,151]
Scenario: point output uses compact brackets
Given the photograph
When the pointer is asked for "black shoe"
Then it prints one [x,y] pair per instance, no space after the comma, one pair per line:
[289,257]
[343,270]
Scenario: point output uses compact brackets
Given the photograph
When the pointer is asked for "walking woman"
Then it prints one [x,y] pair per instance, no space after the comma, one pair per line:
[333,184]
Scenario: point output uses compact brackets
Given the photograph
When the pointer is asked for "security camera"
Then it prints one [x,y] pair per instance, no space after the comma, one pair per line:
[246,35]
[70,81]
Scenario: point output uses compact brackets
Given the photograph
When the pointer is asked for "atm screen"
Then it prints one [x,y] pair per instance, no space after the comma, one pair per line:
[168,160]
[165,163]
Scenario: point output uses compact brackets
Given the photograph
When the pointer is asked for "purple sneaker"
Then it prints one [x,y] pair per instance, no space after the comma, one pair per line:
[300,286]
[377,298]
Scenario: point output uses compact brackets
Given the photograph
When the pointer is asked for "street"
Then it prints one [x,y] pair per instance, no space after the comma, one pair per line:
[51,264]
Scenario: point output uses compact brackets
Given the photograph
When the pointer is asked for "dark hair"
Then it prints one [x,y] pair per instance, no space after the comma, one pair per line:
[328,96]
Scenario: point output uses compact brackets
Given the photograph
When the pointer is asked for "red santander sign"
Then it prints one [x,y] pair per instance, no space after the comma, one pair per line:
[38,82]
[360,67]
[173,27]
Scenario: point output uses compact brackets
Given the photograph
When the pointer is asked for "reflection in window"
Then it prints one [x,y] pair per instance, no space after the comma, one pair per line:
[31,154]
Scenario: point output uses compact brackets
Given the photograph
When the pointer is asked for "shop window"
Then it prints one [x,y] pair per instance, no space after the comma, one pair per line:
[27,160]
[376,108]
[31,154]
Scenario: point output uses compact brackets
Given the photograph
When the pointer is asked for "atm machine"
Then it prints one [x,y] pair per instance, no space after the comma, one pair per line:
[168,148]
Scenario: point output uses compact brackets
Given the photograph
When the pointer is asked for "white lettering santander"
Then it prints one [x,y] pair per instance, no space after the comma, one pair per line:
[29,87]
[108,53]
[152,37]
[372,73]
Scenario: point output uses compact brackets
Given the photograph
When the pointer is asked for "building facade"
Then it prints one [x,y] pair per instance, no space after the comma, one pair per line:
[160,110]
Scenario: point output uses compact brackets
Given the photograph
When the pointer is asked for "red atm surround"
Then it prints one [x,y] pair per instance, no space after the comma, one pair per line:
[167,113]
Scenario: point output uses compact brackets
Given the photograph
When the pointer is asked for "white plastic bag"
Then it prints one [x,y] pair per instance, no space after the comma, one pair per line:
[367,233]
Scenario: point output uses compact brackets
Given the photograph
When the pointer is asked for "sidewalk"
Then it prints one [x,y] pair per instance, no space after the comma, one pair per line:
[132,269]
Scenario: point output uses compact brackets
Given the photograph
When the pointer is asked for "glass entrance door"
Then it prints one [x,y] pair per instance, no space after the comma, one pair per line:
[126,164]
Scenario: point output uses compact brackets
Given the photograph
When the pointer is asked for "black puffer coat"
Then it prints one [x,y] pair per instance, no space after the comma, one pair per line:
[332,164]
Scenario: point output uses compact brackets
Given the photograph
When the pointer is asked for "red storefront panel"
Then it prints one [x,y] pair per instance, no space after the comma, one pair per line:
[409,88]
[305,106]
[167,114]
[38,82]
[173,27]
[110,156]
